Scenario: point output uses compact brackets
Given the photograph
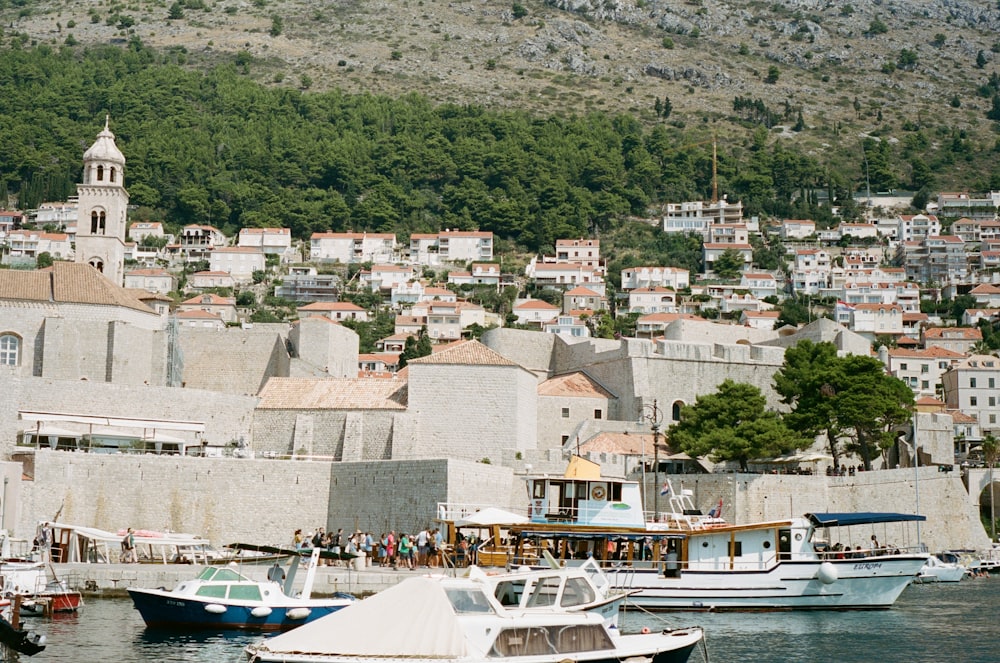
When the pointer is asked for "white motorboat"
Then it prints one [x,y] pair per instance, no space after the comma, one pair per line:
[942,567]
[459,620]
[584,588]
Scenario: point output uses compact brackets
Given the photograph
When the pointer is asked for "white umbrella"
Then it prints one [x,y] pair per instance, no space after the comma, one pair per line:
[491,516]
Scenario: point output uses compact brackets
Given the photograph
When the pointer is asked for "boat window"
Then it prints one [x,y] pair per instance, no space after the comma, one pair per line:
[616,492]
[227,575]
[509,592]
[466,601]
[544,592]
[214,591]
[207,574]
[543,640]
[578,592]
[735,548]
[244,592]
[539,490]
[784,544]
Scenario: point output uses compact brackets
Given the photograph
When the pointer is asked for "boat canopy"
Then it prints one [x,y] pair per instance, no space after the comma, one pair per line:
[860,518]
[553,533]
[414,619]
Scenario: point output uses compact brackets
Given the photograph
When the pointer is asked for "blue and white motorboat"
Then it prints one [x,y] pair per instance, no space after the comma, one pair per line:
[223,598]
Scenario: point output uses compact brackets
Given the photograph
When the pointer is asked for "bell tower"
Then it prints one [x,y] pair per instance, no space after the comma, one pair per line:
[103,201]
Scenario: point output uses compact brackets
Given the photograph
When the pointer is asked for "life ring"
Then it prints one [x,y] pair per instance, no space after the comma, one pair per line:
[645,630]
[598,492]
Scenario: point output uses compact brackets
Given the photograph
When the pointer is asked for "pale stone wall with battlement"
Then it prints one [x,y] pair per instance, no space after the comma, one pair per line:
[471,412]
[342,435]
[233,360]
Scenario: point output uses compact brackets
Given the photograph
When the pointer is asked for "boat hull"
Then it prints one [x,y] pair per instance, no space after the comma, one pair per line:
[160,609]
[670,647]
[869,584]
[47,603]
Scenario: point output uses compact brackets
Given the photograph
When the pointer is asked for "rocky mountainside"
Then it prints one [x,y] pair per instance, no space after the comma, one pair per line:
[850,67]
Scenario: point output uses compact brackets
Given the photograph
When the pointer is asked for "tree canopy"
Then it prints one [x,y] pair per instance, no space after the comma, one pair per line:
[851,400]
[733,424]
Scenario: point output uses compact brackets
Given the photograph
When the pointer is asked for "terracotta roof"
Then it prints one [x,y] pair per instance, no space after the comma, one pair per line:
[533,304]
[68,283]
[670,317]
[211,299]
[878,307]
[198,314]
[581,291]
[470,353]
[985,289]
[629,444]
[576,384]
[928,400]
[961,417]
[968,333]
[333,394]
[331,306]
[933,352]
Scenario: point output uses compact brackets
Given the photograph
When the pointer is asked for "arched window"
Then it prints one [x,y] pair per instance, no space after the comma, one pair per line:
[100,173]
[112,174]
[675,410]
[98,222]
[97,264]
[10,350]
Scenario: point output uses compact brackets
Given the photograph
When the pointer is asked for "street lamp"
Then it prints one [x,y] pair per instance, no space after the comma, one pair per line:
[654,416]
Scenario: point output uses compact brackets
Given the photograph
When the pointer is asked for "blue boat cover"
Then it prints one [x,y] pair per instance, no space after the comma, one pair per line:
[860,518]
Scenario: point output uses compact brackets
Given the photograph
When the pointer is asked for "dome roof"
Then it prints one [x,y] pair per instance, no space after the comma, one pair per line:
[104,148]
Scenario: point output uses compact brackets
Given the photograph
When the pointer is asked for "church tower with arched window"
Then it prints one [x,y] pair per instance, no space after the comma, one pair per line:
[103,201]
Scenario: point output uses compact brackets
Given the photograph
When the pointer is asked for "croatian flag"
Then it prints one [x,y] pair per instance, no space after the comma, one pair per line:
[665,489]
[716,511]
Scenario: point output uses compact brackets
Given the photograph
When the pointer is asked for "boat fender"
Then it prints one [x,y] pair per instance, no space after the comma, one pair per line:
[215,608]
[827,573]
[260,611]
[298,613]
[645,630]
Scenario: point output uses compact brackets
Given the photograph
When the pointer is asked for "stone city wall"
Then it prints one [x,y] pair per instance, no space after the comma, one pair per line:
[265,500]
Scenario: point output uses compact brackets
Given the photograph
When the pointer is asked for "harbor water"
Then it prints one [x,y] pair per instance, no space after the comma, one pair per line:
[930,623]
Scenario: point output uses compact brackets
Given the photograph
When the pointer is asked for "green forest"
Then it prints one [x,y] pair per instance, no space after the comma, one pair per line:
[215,147]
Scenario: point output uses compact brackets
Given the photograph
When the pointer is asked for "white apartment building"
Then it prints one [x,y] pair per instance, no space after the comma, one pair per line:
[697,216]
[451,246]
[652,300]
[797,229]
[584,251]
[857,230]
[956,339]
[197,241]
[240,262]
[916,227]
[140,230]
[272,241]
[564,275]
[352,247]
[535,312]
[871,320]
[987,295]
[920,369]
[567,325]
[483,273]
[971,386]
[653,277]
[335,311]
[386,277]
[30,243]
[760,284]
[59,215]
[152,280]
[201,280]
[969,205]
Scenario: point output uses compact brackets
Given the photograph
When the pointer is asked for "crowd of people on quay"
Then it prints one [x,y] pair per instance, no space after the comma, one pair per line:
[398,550]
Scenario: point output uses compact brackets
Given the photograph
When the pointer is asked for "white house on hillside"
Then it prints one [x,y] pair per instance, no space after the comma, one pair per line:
[352,247]
[240,262]
[652,277]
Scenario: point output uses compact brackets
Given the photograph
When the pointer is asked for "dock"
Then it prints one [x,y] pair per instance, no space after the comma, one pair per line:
[112,580]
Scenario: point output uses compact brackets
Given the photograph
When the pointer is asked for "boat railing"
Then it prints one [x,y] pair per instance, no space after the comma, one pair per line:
[457,510]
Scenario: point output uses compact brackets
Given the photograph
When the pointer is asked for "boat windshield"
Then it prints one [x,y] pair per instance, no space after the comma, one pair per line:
[468,601]
[220,575]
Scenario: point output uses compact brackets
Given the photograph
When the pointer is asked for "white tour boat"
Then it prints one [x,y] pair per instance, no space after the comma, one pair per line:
[681,559]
